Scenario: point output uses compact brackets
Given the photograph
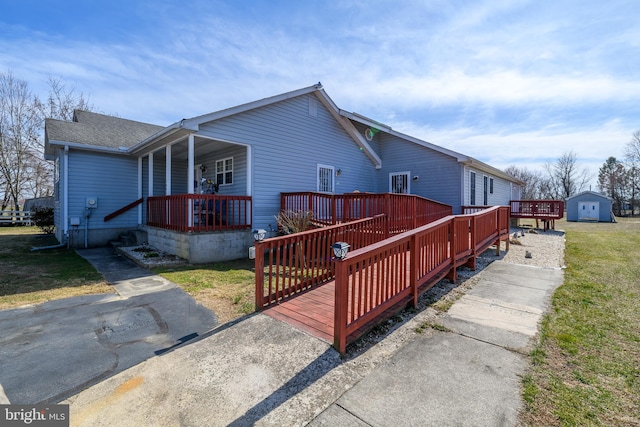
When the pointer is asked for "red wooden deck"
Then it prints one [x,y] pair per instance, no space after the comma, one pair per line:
[311,311]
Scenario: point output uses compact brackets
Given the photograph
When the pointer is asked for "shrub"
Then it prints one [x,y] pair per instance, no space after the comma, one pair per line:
[43,218]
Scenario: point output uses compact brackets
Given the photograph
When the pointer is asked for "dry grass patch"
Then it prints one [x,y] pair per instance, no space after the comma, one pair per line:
[35,277]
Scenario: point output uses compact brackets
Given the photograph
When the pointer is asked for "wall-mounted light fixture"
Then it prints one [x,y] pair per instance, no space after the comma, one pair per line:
[340,249]
[203,168]
[339,172]
[416,177]
[259,234]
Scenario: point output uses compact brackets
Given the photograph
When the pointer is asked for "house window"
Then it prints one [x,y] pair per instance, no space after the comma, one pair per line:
[224,171]
[325,179]
[490,185]
[472,188]
[399,182]
[485,190]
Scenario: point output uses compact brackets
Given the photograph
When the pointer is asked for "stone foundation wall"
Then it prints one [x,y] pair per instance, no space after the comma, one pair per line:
[198,248]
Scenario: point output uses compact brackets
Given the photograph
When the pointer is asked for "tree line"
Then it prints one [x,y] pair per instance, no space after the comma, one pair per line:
[24,173]
[563,178]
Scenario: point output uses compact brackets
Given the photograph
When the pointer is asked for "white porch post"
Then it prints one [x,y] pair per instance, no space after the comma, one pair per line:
[249,171]
[190,177]
[150,174]
[167,171]
[190,165]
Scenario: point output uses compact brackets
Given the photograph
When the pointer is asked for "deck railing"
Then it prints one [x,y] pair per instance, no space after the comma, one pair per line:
[300,261]
[405,211]
[381,277]
[199,212]
[542,209]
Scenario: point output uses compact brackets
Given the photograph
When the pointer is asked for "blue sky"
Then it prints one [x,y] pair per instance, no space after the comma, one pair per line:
[507,82]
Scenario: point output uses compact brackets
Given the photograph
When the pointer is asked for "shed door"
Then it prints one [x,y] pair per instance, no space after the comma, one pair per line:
[588,211]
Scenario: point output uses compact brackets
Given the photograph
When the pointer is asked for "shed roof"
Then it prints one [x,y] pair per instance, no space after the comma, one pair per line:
[591,194]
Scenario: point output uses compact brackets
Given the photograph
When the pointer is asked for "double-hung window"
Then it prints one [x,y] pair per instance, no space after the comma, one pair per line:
[224,171]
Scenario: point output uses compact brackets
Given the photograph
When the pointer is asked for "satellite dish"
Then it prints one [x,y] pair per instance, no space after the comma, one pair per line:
[368,134]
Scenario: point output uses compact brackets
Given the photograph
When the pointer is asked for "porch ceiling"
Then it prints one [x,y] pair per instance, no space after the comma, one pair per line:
[202,146]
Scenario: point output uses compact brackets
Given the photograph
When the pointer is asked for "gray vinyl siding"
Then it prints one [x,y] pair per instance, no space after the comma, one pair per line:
[501,192]
[287,145]
[239,155]
[112,179]
[501,189]
[438,174]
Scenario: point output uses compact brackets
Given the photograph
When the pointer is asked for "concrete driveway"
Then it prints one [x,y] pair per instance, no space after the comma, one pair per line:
[51,351]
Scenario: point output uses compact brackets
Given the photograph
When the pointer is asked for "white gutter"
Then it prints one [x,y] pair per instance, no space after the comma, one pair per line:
[86,147]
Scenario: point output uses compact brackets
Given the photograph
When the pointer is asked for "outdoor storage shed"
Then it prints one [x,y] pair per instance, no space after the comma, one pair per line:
[589,206]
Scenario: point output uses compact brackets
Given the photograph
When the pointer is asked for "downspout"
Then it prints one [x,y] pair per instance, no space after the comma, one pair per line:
[42,248]
[65,194]
[65,205]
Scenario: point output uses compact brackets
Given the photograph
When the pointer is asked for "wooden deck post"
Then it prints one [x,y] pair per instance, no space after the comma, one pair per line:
[414,251]
[453,273]
[341,305]
[259,273]
[473,262]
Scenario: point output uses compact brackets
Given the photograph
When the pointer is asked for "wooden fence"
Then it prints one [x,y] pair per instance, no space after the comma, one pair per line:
[372,280]
[13,217]
[199,212]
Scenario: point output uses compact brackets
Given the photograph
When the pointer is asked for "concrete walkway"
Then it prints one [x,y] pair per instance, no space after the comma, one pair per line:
[260,371]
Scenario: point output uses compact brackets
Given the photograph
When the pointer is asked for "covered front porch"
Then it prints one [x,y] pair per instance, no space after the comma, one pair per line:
[197,195]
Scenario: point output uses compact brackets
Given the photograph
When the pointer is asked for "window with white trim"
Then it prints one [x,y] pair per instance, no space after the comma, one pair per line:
[472,188]
[485,191]
[399,182]
[224,171]
[325,178]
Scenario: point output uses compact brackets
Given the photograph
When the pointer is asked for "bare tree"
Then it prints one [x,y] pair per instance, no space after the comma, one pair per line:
[23,170]
[63,101]
[20,130]
[533,181]
[566,177]
[632,154]
[612,181]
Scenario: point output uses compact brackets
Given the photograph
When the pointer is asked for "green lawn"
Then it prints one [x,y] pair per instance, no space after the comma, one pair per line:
[28,277]
[586,368]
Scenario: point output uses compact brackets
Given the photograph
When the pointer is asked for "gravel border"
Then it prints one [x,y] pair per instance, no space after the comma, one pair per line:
[140,255]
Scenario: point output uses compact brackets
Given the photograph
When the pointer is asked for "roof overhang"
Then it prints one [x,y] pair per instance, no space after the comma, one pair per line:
[477,164]
[348,127]
[53,143]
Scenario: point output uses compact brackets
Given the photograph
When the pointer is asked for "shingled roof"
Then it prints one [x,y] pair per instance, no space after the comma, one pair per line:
[97,130]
